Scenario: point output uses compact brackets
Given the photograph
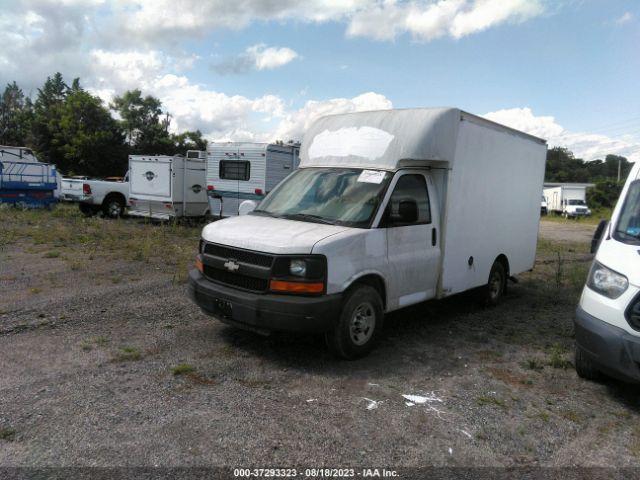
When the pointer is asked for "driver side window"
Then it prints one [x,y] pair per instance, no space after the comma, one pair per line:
[409,203]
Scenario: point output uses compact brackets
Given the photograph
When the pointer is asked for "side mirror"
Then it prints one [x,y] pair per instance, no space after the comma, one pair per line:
[598,234]
[246,207]
[408,211]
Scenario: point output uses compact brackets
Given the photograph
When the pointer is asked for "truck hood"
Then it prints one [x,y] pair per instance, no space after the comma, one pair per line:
[268,234]
[622,258]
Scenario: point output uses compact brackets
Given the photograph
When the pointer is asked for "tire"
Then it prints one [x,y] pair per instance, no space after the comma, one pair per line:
[585,368]
[496,287]
[359,325]
[87,210]
[112,207]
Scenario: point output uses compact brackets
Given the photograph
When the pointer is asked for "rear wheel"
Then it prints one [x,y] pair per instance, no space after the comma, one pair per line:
[585,368]
[359,326]
[113,207]
[87,210]
[496,287]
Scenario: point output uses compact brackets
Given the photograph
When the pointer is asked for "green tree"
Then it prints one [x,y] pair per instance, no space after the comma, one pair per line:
[46,119]
[145,124]
[16,114]
[189,140]
[88,138]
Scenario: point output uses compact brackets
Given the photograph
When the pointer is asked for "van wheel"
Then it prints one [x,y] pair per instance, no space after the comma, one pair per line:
[359,325]
[585,368]
[495,289]
[113,207]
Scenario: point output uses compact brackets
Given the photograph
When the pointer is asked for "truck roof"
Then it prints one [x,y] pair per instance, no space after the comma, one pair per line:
[389,139]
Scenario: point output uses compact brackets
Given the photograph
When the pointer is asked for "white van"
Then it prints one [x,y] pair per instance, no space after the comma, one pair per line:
[166,187]
[388,209]
[607,323]
[239,171]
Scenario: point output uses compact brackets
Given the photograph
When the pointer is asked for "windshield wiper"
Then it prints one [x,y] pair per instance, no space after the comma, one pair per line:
[262,212]
[307,216]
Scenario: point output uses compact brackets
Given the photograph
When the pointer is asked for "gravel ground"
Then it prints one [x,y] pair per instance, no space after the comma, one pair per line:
[567,231]
[89,344]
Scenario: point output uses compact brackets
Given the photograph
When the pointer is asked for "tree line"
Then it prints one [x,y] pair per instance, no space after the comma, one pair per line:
[563,166]
[73,129]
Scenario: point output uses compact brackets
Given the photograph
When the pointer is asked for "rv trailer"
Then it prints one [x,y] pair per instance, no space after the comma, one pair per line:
[165,187]
[238,171]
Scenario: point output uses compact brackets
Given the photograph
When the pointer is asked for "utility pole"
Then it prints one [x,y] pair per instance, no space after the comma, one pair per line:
[619,166]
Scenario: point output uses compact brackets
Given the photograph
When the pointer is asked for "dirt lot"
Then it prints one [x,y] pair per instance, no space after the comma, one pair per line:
[105,362]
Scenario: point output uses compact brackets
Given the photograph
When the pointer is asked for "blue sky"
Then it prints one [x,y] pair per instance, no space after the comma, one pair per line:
[565,69]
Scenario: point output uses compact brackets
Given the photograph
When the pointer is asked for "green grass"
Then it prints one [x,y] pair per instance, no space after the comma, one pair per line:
[7,434]
[128,354]
[595,217]
[183,369]
[491,401]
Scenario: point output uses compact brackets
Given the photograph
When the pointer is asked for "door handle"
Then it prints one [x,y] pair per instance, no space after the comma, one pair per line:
[434,235]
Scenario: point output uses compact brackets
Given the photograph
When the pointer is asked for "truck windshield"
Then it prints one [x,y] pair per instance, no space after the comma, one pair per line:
[340,196]
[628,228]
[576,202]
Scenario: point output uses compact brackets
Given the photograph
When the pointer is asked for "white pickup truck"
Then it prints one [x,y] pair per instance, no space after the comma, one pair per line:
[109,196]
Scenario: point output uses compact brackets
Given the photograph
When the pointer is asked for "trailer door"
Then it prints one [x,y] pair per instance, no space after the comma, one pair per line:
[232,171]
[150,178]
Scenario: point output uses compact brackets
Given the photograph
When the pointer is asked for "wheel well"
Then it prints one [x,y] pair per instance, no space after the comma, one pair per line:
[374,281]
[115,195]
[502,258]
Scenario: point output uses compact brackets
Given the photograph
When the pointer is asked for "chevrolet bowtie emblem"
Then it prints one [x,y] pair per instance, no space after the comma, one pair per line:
[231,265]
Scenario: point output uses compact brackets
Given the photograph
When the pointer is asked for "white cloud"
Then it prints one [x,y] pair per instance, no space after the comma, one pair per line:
[428,20]
[626,17]
[257,57]
[295,123]
[588,146]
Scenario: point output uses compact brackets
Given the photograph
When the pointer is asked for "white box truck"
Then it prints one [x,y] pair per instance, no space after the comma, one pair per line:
[388,209]
[570,201]
[607,323]
[166,187]
[239,171]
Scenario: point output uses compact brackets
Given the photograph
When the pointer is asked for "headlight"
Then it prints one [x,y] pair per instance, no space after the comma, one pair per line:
[606,282]
[298,267]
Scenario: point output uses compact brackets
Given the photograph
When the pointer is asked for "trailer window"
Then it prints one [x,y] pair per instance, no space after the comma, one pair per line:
[409,187]
[234,170]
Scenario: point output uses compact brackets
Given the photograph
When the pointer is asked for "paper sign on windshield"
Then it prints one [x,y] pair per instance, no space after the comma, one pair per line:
[371,176]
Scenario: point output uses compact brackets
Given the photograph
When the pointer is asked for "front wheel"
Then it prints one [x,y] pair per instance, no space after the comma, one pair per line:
[359,325]
[585,368]
[496,287]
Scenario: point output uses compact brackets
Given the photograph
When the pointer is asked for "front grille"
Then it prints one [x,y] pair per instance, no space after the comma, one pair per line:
[236,279]
[243,256]
[633,313]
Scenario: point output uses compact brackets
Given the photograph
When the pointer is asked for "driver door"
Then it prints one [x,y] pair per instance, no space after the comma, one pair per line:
[413,244]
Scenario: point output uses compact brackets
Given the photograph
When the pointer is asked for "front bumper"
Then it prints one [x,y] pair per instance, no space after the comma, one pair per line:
[264,313]
[615,351]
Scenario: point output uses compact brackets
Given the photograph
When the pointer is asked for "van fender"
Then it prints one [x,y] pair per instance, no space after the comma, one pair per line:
[373,277]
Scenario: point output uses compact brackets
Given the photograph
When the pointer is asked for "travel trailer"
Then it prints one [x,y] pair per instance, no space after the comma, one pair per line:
[166,187]
[607,324]
[388,209]
[245,171]
[25,181]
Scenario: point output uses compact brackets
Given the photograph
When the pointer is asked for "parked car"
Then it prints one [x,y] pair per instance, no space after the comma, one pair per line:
[165,187]
[607,324]
[106,196]
[388,209]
